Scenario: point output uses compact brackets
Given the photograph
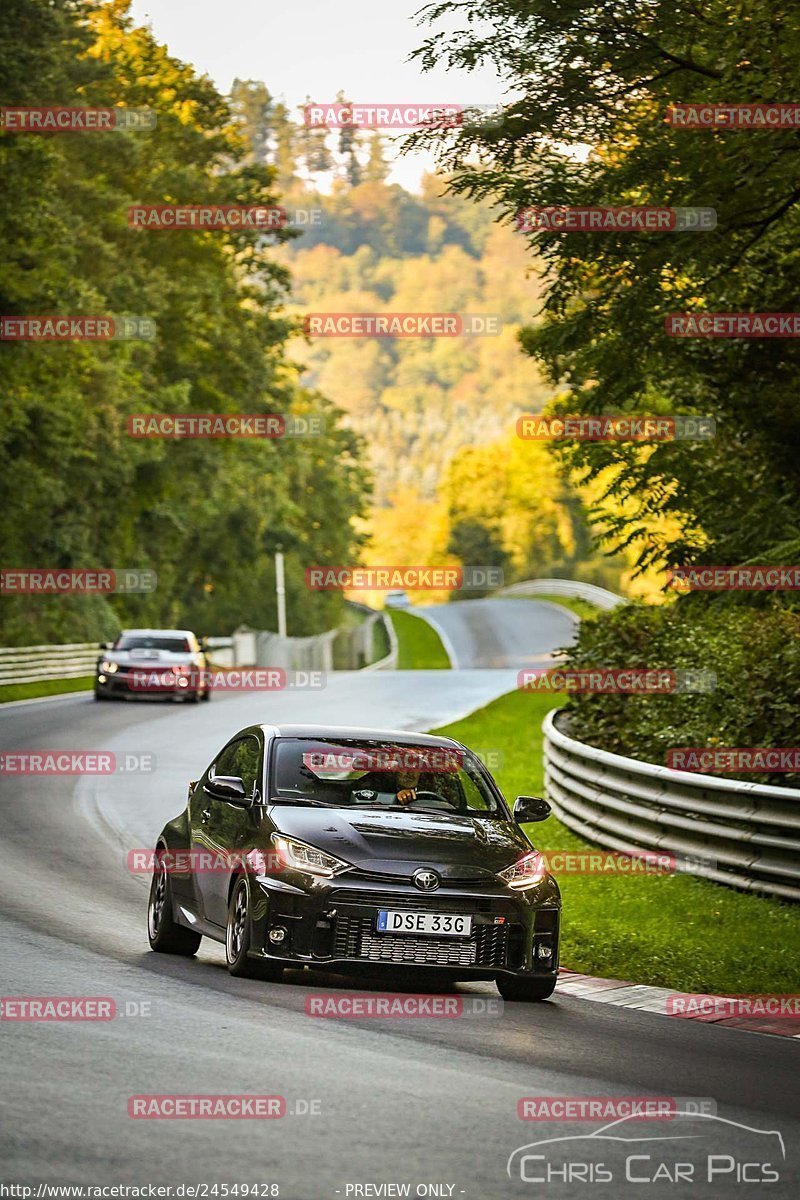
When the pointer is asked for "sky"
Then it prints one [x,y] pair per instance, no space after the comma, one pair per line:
[316,48]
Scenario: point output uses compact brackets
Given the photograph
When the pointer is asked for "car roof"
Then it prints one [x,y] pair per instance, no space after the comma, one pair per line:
[338,732]
[159,632]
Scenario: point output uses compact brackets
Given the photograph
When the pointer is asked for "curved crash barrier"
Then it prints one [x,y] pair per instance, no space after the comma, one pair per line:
[743,834]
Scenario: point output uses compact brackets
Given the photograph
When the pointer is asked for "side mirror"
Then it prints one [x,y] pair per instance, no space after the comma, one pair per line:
[230,788]
[530,808]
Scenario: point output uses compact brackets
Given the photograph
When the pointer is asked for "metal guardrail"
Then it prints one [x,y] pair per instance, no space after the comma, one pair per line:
[28,664]
[599,596]
[389,663]
[730,831]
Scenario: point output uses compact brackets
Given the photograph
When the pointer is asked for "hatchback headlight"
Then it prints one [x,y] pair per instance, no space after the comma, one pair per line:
[302,857]
[526,872]
[109,667]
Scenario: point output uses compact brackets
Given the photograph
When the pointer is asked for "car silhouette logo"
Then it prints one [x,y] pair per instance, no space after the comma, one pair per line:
[427,881]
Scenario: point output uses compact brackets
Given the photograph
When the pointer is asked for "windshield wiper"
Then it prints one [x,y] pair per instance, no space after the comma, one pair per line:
[305,802]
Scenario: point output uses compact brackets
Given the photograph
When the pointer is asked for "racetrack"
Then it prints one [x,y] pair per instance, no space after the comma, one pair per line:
[401,1101]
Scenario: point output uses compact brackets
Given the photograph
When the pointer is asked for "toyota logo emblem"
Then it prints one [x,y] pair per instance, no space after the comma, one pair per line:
[427,881]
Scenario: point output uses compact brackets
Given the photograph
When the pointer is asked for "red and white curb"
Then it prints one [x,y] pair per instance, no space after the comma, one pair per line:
[654,999]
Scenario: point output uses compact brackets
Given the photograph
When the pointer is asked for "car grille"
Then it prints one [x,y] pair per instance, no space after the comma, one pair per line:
[355,937]
[421,901]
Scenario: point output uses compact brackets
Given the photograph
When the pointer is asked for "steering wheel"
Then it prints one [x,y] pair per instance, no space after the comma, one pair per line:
[433,796]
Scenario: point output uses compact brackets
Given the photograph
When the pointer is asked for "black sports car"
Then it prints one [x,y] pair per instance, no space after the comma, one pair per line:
[348,848]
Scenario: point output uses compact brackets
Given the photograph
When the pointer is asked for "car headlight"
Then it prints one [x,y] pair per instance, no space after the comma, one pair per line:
[526,872]
[109,667]
[302,857]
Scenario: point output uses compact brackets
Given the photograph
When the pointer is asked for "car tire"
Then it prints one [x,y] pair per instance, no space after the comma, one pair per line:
[237,939]
[513,987]
[99,695]
[206,694]
[165,935]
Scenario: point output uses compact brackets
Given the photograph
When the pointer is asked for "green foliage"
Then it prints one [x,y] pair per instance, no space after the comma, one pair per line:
[75,490]
[419,646]
[599,77]
[44,687]
[755,655]
[581,608]
[623,926]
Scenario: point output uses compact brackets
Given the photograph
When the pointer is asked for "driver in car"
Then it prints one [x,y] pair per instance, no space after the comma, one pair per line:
[407,784]
[404,785]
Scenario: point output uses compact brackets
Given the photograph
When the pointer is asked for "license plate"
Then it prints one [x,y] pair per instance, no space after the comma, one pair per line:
[428,924]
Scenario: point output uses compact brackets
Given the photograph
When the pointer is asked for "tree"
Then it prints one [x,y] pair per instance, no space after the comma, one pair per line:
[377,167]
[252,107]
[75,489]
[593,83]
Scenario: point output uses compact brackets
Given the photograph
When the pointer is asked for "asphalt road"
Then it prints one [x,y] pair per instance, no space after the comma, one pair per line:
[431,1103]
[500,633]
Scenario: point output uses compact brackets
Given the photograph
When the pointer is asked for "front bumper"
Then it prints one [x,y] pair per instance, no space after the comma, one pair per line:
[333,923]
[120,683]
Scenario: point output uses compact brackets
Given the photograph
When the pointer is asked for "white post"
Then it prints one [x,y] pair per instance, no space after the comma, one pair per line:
[280,591]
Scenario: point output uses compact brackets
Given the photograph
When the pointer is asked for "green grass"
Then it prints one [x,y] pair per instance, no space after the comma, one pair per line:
[581,608]
[45,687]
[664,930]
[419,645]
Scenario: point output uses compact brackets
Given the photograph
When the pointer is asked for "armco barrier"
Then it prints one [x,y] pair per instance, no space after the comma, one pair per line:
[743,834]
[598,596]
[28,664]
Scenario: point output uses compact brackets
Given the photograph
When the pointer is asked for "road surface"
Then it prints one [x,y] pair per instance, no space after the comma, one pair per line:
[419,1103]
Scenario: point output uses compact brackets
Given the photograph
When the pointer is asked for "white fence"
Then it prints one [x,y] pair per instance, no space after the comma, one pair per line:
[598,596]
[727,830]
[355,649]
[28,664]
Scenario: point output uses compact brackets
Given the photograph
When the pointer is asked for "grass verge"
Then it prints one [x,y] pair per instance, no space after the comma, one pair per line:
[664,930]
[45,687]
[581,608]
[419,645]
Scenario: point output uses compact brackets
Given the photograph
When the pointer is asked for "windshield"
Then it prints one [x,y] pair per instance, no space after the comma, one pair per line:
[145,641]
[369,774]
